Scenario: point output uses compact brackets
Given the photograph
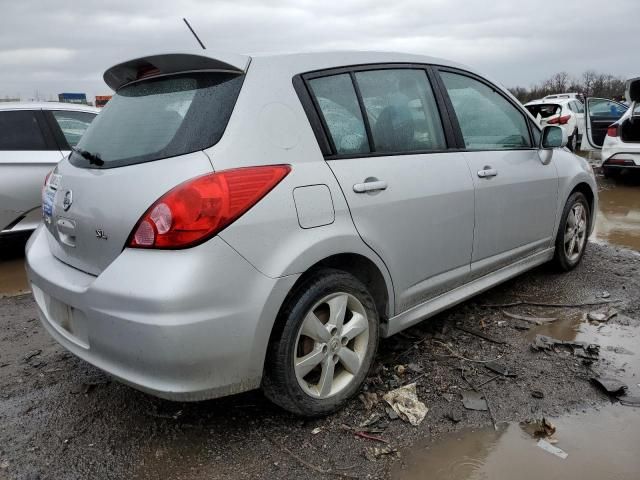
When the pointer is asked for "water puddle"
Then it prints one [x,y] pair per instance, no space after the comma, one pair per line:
[13,278]
[618,219]
[601,444]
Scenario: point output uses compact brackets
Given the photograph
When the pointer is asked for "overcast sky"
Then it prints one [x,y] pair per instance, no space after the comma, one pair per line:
[65,46]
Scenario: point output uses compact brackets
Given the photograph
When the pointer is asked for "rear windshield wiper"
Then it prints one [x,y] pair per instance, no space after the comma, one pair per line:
[94,158]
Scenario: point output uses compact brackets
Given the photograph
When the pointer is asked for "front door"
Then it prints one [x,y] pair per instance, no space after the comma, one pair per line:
[410,198]
[515,192]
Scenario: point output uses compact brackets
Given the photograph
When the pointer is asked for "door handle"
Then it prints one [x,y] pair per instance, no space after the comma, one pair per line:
[370,185]
[487,172]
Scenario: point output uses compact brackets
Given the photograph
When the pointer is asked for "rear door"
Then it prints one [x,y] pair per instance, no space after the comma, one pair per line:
[410,196]
[27,153]
[599,114]
[515,192]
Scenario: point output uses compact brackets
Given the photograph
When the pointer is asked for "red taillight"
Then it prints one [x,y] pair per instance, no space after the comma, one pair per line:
[201,207]
[612,131]
[559,120]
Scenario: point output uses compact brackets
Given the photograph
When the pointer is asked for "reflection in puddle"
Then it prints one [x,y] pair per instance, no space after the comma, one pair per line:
[13,278]
[618,219]
[601,445]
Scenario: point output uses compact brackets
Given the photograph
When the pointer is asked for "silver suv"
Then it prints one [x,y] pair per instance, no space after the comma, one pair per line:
[233,222]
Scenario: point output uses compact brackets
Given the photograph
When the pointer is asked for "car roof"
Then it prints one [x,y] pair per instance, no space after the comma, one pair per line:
[550,101]
[48,106]
[294,63]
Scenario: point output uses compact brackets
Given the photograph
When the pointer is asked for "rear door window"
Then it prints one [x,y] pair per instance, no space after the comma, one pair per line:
[73,124]
[488,121]
[401,110]
[20,130]
[337,100]
[159,118]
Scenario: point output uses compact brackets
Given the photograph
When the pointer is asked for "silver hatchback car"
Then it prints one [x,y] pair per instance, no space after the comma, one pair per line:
[233,222]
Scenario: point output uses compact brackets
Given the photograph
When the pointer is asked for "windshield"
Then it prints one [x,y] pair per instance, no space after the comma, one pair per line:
[159,118]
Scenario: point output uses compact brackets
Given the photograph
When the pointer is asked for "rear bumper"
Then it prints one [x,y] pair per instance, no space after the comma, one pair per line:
[183,325]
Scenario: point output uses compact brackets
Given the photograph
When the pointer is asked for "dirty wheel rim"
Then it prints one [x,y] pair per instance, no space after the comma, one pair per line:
[575,234]
[331,345]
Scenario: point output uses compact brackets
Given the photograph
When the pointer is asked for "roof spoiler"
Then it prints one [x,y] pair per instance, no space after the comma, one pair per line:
[165,64]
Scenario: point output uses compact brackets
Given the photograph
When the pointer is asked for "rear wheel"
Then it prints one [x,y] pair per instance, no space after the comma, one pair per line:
[573,231]
[573,141]
[327,343]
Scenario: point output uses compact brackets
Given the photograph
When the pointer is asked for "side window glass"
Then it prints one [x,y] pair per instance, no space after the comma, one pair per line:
[487,120]
[19,130]
[73,124]
[599,107]
[339,105]
[580,107]
[401,110]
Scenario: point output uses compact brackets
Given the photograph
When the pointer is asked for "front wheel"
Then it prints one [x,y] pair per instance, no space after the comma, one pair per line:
[571,240]
[327,336]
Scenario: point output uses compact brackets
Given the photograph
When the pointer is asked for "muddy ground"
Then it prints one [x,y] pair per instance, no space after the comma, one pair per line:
[60,418]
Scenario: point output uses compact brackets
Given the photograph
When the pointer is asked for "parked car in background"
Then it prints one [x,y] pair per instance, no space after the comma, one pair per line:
[567,113]
[621,145]
[232,222]
[34,137]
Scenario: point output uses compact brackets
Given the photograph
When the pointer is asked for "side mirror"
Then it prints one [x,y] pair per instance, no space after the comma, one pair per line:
[553,137]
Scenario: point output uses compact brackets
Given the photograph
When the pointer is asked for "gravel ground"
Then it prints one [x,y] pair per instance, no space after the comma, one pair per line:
[61,418]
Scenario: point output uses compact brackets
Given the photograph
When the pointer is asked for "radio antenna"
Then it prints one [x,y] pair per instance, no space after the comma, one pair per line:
[194,34]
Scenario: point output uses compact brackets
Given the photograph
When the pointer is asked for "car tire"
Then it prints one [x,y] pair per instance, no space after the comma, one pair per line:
[573,232]
[573,141]
[309,344]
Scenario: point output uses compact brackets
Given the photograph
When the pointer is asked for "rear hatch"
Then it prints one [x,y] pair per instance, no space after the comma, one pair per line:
[544,112]
[148,139]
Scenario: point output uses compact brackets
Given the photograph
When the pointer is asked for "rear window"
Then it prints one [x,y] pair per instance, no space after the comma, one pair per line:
[544,110]
[159,118]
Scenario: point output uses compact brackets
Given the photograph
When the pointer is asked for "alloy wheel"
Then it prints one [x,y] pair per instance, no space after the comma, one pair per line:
[331,345]
[575,234]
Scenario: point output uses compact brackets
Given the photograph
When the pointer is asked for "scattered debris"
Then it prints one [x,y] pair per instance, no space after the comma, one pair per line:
[547,447]
[370,437]
[405,403]
[612,386]
[501,369]
[374,418]
[31,354]
[415,368]
[400,369]
[369,399]
[541,428]
[537,394]
[448,397]
[316,430]
[605,294]
[619,350]
[391,413]
[580,349]
[302,461]
[528,319]
[551,305]
[478,333]
[473,400]
[4,464]
[602,315]
[455,417]
[373,453]
[629,401]
[461,357]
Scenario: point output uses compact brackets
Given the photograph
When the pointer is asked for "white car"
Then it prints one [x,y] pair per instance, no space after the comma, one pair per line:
[34,137]
[621,145]
[567,113]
